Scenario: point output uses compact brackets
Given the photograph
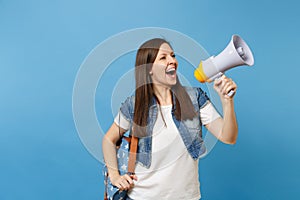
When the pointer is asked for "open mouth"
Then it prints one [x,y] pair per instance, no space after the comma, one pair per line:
[171,71]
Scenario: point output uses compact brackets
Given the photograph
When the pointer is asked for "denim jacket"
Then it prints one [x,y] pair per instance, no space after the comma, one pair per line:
[190,130]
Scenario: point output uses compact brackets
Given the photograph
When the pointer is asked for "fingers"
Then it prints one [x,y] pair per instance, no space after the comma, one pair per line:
[124,182]
[134,177]
[227,86]
[224,85]
[218,81]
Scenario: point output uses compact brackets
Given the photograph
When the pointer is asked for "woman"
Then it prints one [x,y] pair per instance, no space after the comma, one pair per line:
[167,119]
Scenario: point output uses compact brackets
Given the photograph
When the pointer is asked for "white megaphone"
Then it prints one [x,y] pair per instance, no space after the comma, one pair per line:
[235,54]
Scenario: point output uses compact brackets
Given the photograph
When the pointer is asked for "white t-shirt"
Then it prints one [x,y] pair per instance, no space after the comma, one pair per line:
[173,173]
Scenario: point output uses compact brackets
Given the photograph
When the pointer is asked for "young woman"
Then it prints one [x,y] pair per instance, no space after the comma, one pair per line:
[167,119]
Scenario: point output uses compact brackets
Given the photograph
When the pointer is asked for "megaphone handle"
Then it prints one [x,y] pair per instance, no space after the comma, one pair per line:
[230,93]
[218,76]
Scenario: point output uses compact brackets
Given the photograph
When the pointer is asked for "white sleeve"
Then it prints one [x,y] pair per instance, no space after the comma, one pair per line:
[208,113]
[121,121]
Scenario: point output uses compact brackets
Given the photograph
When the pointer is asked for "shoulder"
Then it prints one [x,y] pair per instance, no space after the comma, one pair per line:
[194,91]
[127,107]
[129,100]
[197,94]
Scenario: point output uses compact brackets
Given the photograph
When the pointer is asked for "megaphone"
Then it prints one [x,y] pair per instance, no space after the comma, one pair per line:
[235,54]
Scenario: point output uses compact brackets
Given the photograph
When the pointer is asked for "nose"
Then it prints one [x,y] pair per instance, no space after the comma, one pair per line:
[171,59]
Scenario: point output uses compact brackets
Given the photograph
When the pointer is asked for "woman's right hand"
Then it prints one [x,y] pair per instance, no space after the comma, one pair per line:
[124,182]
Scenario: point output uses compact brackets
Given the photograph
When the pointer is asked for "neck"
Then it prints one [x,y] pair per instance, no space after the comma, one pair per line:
[163,95]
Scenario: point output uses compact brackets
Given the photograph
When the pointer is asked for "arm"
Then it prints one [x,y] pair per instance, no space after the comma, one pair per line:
[225,129]
[110,156]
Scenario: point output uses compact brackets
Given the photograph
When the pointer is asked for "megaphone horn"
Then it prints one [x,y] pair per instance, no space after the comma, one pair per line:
[235,54]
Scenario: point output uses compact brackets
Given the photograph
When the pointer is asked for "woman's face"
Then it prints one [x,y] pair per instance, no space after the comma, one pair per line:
[164,67]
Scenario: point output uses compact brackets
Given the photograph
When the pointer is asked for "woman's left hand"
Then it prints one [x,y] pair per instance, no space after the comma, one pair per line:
[223,86]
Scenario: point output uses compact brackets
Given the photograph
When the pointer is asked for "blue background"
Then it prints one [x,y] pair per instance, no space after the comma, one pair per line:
[43,43]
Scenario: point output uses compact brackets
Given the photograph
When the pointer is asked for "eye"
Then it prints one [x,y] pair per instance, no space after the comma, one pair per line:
[173,55]
[163,57]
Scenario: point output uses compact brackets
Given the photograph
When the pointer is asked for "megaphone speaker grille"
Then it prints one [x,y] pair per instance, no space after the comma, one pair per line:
[243,50]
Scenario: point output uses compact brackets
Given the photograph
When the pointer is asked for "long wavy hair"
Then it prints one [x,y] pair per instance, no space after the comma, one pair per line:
[144,92]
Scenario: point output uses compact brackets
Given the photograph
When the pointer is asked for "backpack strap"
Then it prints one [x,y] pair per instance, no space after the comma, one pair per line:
[132,154]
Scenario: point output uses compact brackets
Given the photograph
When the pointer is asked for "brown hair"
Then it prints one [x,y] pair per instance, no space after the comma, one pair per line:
[144,92]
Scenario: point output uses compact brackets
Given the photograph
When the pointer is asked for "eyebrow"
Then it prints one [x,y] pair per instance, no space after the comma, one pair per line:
[164,54]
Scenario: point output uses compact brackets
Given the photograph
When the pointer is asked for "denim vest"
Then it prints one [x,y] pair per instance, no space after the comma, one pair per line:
[190,130]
